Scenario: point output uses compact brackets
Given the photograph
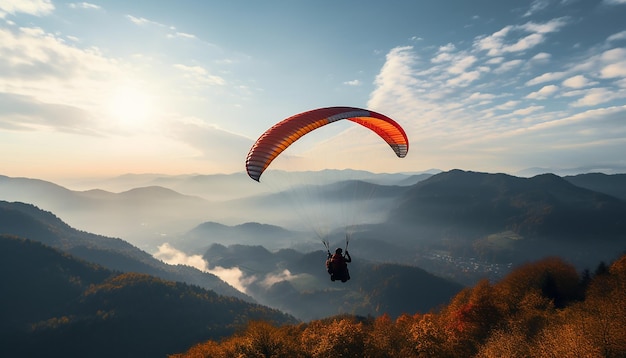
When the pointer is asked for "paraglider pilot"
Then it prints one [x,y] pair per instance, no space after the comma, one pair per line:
[337,265]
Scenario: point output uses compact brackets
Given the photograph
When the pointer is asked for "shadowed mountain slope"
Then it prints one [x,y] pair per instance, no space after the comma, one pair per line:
[28,221]
[53,304]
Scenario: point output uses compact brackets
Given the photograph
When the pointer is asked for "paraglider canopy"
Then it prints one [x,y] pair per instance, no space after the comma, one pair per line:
[280,136]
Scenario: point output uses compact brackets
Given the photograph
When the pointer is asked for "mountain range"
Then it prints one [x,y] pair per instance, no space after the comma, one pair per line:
[508,218]
[458,225]
[283,280]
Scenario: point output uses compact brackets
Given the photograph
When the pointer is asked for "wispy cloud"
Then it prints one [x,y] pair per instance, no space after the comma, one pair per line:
[506,40]
[352,83]
[544,92]
[536,6]
[84,5]
[546,77]
[200,75]
[142,21]
[183,35]
[617,37]
[31,7]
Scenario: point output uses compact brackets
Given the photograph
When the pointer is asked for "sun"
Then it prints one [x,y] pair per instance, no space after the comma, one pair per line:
[131,106]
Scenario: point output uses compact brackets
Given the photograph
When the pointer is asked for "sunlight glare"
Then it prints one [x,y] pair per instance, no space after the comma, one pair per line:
[131,107]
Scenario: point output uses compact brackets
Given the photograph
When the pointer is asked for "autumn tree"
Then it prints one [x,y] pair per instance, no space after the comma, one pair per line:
[603,314]
[470,317]
[507,342]
[387,338]
[342,337]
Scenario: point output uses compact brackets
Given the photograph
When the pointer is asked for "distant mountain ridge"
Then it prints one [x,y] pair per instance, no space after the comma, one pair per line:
[614,185]
[530,206]
[144,215]
[198,240]
[139,213]
[546,213]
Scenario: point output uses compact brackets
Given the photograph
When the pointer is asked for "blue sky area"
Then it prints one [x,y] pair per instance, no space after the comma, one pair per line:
[102,88]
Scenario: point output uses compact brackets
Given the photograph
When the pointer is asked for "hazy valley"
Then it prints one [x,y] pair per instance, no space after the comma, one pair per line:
[416,240]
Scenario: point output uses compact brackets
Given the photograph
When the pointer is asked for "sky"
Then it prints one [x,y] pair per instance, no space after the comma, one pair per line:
[104,88]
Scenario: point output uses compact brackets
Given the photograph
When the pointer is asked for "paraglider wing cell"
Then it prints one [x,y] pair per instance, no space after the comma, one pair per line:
[280,136]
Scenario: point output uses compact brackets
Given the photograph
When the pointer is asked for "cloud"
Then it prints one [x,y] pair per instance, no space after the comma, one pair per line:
[352,83]
[273,278]
[536,6]
[395,81]
[541,57]
[168,31]
[615,63]
[508,66]
[142,21]
[26,113]
[200,75]
[505,40]
[41,68]
[182,35]
[233,276]
[464,79]
[508,105]
[172,256]
[30,7]
[527,111]
[615,2]
[546,77]
[221,150]
[460,65]
[483,97]
[617,37]
[84,5]
[596,96]
[578,81]
[544,92]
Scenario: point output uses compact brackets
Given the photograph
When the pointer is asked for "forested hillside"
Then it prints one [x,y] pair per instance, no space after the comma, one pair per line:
[542,309]
[28,221]
[54,305]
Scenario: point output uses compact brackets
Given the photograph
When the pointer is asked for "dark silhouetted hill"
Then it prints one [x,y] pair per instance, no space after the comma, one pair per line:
[55,305]
[28,221]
